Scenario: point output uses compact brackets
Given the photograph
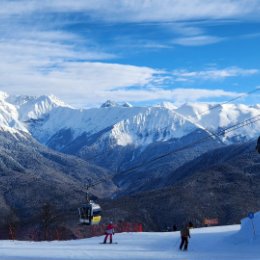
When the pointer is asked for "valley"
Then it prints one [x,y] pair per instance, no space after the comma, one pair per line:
[144,155]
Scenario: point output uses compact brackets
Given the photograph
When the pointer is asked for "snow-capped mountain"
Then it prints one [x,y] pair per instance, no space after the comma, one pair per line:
[215,117]
[33,108]
[9,116]
[138,126]
[47,116]
[16,110]
[111,103]
[121,130]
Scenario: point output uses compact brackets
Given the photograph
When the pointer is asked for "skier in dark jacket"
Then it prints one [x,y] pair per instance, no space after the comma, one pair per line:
[258,145]
[174,228]
[185,235]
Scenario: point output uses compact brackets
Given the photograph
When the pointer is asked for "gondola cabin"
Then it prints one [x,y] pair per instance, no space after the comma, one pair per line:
[90,214]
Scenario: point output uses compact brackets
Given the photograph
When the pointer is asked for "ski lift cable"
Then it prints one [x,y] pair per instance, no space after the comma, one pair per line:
[223,132]
[223,103]
[219,105]
[230,100]
[186,147]
[245,123]
[91,183]
[217,134]
[229,129]
[201,113]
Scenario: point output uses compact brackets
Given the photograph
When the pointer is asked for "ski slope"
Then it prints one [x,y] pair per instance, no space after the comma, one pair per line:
[214,243]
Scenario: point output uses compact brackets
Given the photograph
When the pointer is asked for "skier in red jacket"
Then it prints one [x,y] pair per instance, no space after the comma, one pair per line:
[110,231]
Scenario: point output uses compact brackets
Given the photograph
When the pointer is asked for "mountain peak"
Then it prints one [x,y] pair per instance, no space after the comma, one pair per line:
[168,105]
[33,107]
[126,104]
[3,95]
[53,99]
[109,103]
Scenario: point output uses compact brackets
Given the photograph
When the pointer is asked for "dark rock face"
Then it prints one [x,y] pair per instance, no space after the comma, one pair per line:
[221,184]
[32,175]
[136,168]
[109,103]
[156,164]
[185,184]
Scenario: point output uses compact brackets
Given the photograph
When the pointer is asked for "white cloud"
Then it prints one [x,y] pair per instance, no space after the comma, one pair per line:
[197,40]
[44,62]
[185,29]
[30,51]
[177,96]
[50,67]
[213,74]
[93,76]
[90,83]
[140,11]
[71,80]
[38,57]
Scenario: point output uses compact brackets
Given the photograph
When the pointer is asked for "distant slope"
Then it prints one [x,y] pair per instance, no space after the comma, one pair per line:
[31,175]
[240,156]
[116,138]
[157,163]
[221,184]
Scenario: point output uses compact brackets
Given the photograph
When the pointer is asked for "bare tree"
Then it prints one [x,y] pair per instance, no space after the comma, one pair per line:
[11,223]
[47,219]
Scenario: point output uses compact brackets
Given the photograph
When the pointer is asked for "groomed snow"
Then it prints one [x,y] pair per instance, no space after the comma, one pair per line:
[216,243]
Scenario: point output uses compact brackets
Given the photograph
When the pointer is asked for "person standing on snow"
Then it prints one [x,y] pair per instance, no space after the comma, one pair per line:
[110,231]
[185,235]
[174,228]
[258,145]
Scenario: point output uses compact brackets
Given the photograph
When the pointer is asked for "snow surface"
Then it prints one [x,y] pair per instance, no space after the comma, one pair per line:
[9,116]
[138,126]
[250,229]
[213,243]
[141,126]
[16,110]
[30,107]
[214,116]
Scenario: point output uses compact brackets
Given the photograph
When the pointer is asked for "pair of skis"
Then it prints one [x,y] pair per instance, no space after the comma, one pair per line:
[114,243]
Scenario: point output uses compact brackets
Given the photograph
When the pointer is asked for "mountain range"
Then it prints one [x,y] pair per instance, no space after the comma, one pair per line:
[123,138]
[136,150]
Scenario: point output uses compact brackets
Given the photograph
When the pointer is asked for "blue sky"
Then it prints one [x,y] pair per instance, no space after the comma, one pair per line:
[140,51]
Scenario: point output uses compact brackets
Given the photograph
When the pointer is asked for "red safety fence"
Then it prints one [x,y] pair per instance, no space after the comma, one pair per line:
[211,221]
[62,233]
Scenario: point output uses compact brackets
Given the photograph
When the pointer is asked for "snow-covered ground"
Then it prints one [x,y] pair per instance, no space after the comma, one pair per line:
[214,243]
